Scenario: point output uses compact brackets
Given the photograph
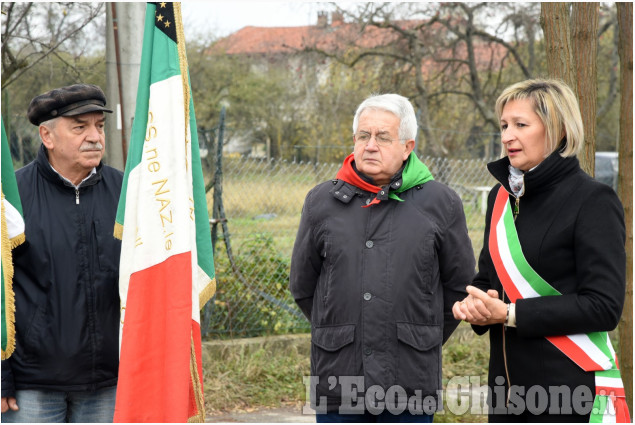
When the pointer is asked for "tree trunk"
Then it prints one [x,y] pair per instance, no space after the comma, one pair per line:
[625,188]
[584,28]
[554,19]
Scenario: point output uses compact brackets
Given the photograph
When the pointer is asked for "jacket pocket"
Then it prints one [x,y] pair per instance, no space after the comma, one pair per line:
[333,354]
[108,248]
[419,357]
[37,338]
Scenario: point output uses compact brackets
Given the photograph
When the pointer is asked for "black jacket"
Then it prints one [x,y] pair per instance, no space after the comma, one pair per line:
[571,229]
[65,283]
[378,284]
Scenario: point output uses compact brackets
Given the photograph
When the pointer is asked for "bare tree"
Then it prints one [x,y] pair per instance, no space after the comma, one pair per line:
[34,31]
[625,188]
[443,51]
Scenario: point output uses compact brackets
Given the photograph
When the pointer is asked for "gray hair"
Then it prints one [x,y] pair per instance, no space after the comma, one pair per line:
[50,123]
[395,104]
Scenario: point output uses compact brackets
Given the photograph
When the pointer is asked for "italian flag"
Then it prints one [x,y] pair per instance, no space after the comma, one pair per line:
[166,269]
[12,236]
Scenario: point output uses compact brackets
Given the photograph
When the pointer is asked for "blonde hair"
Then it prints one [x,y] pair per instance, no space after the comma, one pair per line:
[556,105]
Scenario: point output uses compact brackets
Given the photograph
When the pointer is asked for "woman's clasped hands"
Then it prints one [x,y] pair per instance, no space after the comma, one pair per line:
[480,308]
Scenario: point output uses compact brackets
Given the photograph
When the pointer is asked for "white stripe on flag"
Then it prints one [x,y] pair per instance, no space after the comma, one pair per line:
[519,280]
[603,381]
[584,342]
[15,222]
[608,342]
[158,194]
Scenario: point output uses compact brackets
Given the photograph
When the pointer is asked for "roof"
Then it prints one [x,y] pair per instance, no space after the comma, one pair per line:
[267,40]
[339,36]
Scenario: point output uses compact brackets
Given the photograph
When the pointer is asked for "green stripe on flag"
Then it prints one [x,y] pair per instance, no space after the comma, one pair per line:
[611,373]
[9,184]
[600,339]
[203,238]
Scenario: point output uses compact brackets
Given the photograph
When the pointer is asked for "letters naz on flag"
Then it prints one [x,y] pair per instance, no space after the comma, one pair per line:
[166,268]
[12,236]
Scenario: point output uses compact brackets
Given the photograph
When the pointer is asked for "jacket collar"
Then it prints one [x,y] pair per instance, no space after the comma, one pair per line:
[549,172]
[44,167]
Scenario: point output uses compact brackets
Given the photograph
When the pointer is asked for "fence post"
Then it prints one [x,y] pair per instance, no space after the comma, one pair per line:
[216,216]
[218,176]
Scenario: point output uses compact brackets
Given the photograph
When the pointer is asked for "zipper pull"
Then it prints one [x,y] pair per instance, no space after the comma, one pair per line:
[516,207]
[76,196]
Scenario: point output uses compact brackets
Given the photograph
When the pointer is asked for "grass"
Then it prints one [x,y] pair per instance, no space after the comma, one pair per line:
[245,381]
[241,381]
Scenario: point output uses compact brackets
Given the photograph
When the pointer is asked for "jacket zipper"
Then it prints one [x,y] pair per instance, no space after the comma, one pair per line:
[76,196]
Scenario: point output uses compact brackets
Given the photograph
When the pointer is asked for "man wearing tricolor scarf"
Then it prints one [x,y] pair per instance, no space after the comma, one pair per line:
[551,276]
[381,255]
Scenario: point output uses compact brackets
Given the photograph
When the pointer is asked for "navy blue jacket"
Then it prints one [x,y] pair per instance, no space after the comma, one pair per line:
[65,283]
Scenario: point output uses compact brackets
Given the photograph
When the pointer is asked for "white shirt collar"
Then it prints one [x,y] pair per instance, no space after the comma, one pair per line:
[93,171]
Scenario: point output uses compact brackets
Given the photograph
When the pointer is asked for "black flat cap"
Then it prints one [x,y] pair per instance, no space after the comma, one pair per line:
[67,102]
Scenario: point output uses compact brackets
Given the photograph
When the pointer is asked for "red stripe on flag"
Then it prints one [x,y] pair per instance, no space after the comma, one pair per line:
[610,391]
[499,208]
[574,352]
[154,367]
[622,414]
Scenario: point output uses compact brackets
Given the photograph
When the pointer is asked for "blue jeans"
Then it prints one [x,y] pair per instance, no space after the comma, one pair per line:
[384,417]
[58,406]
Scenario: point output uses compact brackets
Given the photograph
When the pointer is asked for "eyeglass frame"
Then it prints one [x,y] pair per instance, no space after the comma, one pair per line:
[379,139]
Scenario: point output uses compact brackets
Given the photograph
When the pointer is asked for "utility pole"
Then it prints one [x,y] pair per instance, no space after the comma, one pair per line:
[128,27]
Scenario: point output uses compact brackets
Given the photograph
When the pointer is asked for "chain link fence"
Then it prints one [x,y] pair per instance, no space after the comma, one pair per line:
[256,227]
[262,202]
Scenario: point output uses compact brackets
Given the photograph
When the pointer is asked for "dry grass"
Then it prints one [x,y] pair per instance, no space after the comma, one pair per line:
[241,381]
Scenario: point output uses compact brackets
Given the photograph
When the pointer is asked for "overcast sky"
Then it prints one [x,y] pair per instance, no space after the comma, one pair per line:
[224,17]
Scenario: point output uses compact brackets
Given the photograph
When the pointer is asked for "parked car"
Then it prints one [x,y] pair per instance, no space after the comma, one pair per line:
[606,168]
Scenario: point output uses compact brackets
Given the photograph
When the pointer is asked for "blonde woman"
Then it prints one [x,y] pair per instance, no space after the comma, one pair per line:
[551,274]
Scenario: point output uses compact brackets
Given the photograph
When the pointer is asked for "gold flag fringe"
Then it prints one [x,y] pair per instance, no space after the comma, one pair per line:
[9,296]
[118,232]
[207,293]
[196,384]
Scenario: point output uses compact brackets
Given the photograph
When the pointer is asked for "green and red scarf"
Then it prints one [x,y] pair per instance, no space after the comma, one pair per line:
[592,351]
[414,173]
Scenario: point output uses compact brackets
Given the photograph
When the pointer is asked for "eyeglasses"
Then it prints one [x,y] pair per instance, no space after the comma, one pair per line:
[380,139]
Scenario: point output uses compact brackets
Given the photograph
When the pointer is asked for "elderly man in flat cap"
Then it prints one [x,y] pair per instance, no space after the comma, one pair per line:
[64,367]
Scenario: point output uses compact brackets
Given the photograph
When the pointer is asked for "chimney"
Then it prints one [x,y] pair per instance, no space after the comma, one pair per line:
[322,19]
[337,18]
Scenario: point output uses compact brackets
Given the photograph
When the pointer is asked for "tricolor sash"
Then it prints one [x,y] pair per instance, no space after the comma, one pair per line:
[592,351]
